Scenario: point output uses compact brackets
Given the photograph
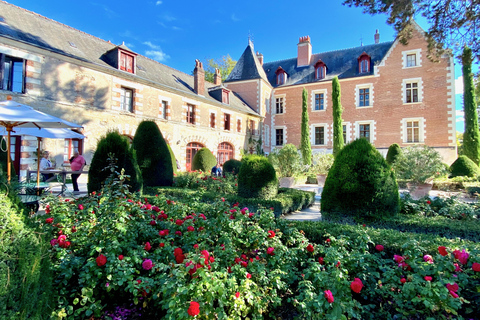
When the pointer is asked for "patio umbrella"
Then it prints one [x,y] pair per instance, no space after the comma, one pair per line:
[17,115]
[50,133]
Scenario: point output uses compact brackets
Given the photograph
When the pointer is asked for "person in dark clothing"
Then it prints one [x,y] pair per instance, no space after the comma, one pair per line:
[217,170]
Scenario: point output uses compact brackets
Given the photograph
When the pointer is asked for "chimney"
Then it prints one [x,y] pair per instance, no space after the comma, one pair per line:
[260,58]
[199,78]
[304,51]
[377,36]
[217,78]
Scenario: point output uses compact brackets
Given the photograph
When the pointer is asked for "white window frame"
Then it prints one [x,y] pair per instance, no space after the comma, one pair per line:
[421,130]
[368,86]
[169,103]
[326,137]
[372,129]
[283,97]
[325,99]
[419,90]
[418,58]
[348,133]
[275,136]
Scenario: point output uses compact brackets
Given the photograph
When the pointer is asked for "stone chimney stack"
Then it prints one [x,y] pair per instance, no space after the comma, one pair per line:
[199,78]
[260,58]
[217,77]
[304,51]
[377,36]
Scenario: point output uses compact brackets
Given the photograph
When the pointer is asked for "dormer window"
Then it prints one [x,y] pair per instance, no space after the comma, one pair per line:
[281,76]
[320,70]
[121,58]
[225,97]
[127,62]
[364,63]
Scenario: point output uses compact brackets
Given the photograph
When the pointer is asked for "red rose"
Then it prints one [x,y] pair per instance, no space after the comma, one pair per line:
[49,220]
[429,202]
[320,260]
[270,251]
[194,309]
[179,258]
[161,245]
[427,278]
[153,222]
[80,207]
[190,228]
[179,222]
[271,234]
[356,285]
[452,287]
[237,294]
[101,260]
[476,267]
[147,246]
[120,257]
[329,296]
[249,276]
[328,240]
[403,280]
[379,247]
[310,248]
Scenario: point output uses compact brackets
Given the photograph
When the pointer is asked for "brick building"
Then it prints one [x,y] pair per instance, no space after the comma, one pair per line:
[78,77]
[390,93]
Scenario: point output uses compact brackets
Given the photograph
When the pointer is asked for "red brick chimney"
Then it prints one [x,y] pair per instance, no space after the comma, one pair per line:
[304,51]
[260,58]
[199,78]
[217,78]
[377,36]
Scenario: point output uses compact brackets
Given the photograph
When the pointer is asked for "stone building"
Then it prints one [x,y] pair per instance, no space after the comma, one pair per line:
[78,77]
[391,93]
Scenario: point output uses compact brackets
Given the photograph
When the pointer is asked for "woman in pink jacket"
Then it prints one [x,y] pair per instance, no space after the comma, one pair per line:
[77,163]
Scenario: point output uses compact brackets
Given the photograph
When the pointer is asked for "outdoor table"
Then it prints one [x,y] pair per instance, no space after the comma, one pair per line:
[62,174]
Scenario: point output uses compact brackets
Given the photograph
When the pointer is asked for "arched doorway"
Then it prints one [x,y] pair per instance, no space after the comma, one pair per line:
[192,149]
[224,153]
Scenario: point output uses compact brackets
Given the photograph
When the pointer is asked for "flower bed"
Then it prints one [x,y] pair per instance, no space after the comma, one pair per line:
[179,260]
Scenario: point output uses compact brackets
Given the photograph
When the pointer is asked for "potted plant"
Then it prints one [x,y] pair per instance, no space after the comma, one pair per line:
[322,162]
[420,165]
[287,162]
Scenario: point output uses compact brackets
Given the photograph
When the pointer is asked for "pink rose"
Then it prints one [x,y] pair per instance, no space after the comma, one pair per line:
[147,264]
[379,247]
[270,251]
[328,294]
[428,258]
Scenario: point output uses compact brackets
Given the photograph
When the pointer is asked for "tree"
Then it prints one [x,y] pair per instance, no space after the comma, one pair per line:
[305,146]
[337,117]
[471,137]
[225,64]
[153,155]
[452,23]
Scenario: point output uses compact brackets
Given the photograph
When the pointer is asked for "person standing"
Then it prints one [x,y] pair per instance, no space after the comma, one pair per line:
[77,162]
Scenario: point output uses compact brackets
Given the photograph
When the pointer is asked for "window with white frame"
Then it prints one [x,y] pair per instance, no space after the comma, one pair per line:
[279,105]
[126,99]
[319,133]
[364,95]
[364,131]
[413,130]
[279,137]
[164,109]
[344,132]
[412,58]
[319,100]
[411,92]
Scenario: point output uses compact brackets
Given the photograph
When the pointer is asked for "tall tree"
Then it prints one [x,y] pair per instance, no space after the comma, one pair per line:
[337,117]
[471,137]
[305,146]
[225,64]
[452,23]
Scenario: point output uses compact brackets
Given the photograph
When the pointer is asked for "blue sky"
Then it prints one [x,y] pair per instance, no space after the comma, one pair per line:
[176,32]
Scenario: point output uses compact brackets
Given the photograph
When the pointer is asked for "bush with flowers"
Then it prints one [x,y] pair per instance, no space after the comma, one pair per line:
[180,260]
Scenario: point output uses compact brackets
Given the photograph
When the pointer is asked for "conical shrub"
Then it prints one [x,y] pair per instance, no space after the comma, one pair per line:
[204,160]
[257,178]
[153,155]
[113,143]
[361,183]
[464,166]
[393,151]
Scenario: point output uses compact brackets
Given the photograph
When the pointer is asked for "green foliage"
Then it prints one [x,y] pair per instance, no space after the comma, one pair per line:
[113,144]
[4,158]
[337,109]
[26,281]
[471,136]
[153,155]
[174,160]
[419,164]
[286,161]
[322,162]
[463,166]
[305,146]
[232,166]
[204,160]
[360,182]
[393,151]
[225,64]
[257,178]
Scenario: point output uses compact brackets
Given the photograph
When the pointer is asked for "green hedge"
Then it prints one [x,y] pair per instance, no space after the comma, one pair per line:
[287,200]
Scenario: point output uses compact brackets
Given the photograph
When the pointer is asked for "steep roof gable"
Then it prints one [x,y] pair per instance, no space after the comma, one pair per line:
[247,68]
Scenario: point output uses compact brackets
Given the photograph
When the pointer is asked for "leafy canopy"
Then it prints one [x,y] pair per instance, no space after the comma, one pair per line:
[225,64]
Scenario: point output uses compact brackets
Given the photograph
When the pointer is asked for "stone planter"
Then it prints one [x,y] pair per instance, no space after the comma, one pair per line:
[321,179]
[418,191]
[287,182]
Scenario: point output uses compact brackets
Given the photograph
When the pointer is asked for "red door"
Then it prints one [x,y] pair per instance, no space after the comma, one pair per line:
[192,149]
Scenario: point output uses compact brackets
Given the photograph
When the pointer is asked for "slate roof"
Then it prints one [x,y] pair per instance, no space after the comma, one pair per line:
[247,67]
[29,27]
[341,63]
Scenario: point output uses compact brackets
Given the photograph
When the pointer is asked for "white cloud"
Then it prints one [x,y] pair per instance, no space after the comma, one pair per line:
[234,17]
[157,55]
[151,45]
[176,28]
[459,85]
[460,115]
[169,18]
[158,3]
